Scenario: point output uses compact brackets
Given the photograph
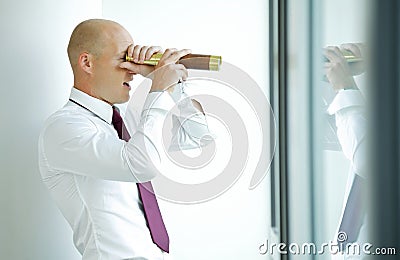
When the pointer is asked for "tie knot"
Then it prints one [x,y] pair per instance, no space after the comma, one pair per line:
[116,117]
[117,121]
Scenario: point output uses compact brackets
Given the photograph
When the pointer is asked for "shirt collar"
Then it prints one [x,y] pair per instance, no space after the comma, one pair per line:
[96,106]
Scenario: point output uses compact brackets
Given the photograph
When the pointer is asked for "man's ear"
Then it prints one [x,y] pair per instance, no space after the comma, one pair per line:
[85,62]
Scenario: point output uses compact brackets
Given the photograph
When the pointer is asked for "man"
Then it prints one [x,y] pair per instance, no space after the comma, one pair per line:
[348,107]
[96,169]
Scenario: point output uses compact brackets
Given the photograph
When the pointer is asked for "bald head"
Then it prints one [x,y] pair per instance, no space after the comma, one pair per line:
[96,50]
[90,36]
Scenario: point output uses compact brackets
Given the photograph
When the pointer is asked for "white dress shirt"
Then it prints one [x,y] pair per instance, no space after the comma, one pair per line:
[348,107]
[92,174]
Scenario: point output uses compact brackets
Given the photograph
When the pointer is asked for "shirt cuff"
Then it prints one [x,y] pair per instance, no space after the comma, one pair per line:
[179,92]
[345,99]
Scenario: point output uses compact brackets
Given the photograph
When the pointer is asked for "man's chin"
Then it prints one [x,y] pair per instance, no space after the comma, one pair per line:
[123,100]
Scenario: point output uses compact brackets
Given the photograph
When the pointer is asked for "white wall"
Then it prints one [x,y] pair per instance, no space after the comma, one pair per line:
[35,81]
[235,224]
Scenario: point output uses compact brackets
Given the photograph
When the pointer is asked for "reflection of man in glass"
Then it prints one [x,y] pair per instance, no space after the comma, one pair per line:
[348,107]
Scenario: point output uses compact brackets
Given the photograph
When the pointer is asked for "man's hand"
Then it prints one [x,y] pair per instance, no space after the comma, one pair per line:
[139,54]
[337,69]
[359,51]
[167,73]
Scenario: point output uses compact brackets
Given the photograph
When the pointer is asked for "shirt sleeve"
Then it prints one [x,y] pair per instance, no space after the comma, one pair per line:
[146,141]
[349,109]
[190,128]
[77,145]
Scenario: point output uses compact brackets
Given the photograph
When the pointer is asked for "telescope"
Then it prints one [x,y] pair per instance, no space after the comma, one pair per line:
[190,61]
[349,57]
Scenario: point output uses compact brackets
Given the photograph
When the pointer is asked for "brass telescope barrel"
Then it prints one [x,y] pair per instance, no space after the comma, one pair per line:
[349,56]
[190,61]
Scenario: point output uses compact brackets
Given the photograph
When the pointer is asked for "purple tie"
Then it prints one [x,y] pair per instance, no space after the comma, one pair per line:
[150,206]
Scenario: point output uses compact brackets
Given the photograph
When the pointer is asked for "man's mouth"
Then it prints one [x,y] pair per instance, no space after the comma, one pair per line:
[126,84]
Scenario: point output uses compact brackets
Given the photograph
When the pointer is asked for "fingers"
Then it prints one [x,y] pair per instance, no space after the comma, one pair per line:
[353,48]
[150,51]
[181,74]
[336,59]
[182,71]
[129,51]
[336,63]
[167,76]
[177,72]
[146,52]
[173,55]
[131,67]
[168,52]
[132,52]
[337,71]
[140,53]
[333,54]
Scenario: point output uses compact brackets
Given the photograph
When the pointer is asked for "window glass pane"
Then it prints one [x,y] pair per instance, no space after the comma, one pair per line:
[327,53]
[344,38]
